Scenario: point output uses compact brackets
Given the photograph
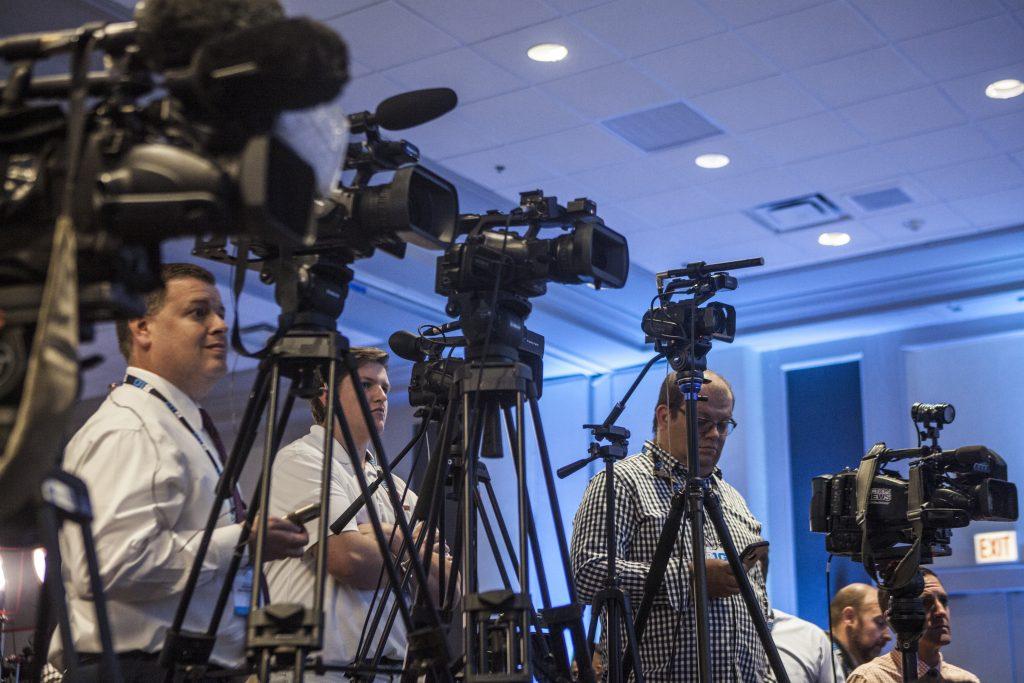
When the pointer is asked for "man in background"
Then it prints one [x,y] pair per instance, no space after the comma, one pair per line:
[805,650]
[859,629]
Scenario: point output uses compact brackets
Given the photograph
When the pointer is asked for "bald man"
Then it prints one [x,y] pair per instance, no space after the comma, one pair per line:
[859,629]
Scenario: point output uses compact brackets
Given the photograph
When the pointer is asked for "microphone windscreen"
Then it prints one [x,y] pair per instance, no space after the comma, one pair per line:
[405,345]
[414,108]
[251,75]
[170,31]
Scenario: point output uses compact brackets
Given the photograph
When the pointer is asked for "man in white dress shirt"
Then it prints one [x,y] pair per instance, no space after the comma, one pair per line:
[354,560]
[151,459]
[805,650]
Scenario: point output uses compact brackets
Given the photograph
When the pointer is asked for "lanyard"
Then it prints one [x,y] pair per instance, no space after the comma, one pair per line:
[134,381]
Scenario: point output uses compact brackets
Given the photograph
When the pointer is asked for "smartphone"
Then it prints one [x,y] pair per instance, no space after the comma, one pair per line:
[754,550]
[304,514]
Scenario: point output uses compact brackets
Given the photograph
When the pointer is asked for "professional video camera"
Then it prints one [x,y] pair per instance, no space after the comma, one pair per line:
[945,490]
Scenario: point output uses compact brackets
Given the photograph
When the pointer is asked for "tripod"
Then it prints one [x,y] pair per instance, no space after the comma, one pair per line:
[683,332]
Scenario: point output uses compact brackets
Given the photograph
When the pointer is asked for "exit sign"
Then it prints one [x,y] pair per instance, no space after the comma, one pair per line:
[995,546]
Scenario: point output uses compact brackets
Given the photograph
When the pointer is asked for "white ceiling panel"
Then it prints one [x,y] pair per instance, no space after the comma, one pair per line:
[387,34]
[968,92]
[509,51]
[628,180]
[1007,132]
[862,76]
[959,51]
[916,192]
[862,240]
[747,191]
[902,114]
[813,136]
[675,206]
[608,91]
[576,150]
[622,220]
[713,231]
[676,250]
[474,20]
[742,12]
[757,105]
[481,167]
[520,115]
[714,63]
[449,136]
[636,27]
[321,9]
[902,19]
[992,210]
[918,224]
[471,76]
[366,92]
[935,149]
[979,177]
[813,35]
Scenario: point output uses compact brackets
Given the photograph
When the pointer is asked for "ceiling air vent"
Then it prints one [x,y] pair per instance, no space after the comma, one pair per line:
[881,199]
[808,211]
[670,125]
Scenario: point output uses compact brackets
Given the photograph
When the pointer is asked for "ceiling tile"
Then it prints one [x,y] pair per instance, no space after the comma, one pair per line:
[959,51]
[622,220]
[625,181]
[752,189]
[383,35]
[1019,158]
[607,91]
[742,12]
[813,35]
[902,114]
[509,51]
[474,20]
[979,177]
[726,228]
[520,115]
[471,76]
[845,169]
[321,9]
[357,69]
[757,105]
[969,92]
[997,210]
[677,248]
[908,18]
[1006,131]
[449,136]
[918,224]
[919,195]
[635,27]
[813,136]
[675,206]
[862,240]
[366,92]
[684,68]
[935,149]
[576,150]
[570,6]
[862,76]
[480,167]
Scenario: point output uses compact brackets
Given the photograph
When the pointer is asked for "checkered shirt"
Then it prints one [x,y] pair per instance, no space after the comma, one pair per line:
[644,487]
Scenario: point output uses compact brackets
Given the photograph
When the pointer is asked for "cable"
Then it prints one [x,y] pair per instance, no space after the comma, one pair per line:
[828,607]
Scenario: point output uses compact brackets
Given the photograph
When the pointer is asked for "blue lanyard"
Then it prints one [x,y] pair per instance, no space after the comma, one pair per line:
[134,381]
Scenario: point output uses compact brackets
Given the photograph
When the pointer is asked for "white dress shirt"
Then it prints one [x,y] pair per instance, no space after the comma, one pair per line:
[295,483]
[151,484]
[805,650]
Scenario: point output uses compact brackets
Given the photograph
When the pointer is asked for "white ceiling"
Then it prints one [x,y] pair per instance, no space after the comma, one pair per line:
[834,97]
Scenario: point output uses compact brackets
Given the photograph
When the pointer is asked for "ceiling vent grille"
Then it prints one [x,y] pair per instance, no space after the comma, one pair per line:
[670,125]
[882,199]
[798,213]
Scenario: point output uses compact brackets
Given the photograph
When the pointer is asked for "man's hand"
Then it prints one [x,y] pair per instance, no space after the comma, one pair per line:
[283,539]
[721,581]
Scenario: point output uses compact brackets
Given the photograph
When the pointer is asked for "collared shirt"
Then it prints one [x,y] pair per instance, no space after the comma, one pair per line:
[644,488]
[295,483]
[151,484]
[805,650]
[845,661]
[888,668]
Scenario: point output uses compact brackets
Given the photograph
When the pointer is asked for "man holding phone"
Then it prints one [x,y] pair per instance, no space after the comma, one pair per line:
[644,487]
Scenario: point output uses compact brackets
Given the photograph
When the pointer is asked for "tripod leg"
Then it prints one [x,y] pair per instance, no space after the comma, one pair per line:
[714,509]
[52,599]
[110,668]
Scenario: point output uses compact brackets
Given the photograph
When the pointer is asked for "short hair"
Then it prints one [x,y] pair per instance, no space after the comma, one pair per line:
[155,300]
[670,396]
[363,355]
[852,595]
[883,595]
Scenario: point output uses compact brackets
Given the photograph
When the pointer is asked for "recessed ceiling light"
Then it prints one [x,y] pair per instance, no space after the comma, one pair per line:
[712,161]
[833,239]
[548,52]
[1004,89]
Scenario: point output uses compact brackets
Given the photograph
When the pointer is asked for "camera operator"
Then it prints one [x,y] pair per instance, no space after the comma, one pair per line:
[354,561]
[151,457]
[859,629]
[937,634]
[644,487]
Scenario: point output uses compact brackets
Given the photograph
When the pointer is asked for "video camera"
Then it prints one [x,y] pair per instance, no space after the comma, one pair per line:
[874,514]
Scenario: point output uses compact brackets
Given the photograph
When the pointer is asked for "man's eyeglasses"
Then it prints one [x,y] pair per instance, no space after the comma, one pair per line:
[725,427]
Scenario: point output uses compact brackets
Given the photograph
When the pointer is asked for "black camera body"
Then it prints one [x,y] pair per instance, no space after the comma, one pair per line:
[945,490]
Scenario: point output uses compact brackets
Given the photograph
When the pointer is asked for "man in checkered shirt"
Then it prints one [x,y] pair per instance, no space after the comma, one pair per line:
[644,486]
